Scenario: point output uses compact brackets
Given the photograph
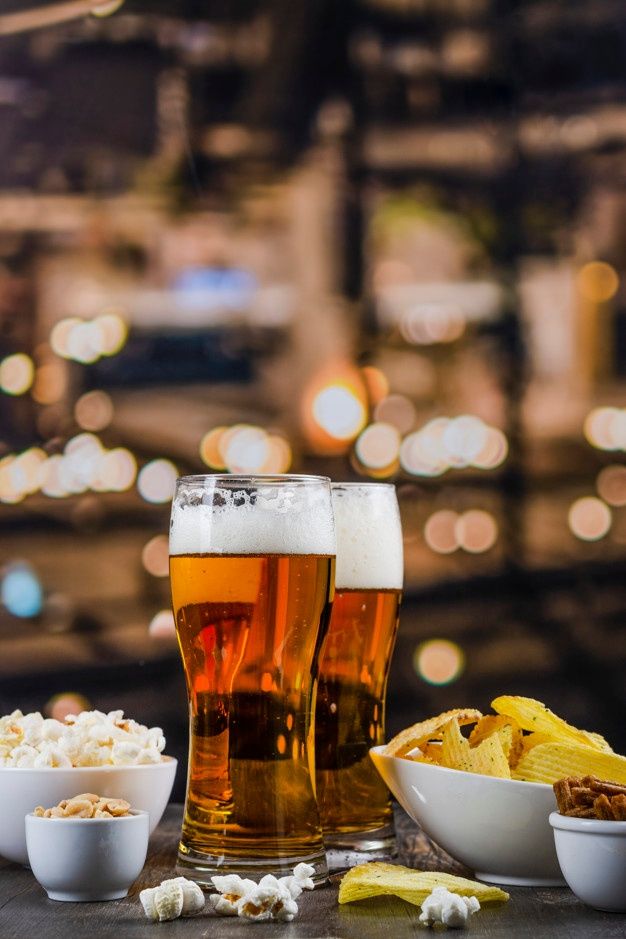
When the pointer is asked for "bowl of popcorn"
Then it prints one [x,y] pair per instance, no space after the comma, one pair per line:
[44,761]
[88,847]
[590,838]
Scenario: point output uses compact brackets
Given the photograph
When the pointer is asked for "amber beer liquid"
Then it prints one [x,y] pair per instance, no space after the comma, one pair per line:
[249,626]
[350,713]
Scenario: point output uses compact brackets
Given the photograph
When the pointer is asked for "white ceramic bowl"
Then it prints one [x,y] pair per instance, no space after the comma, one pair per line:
[146,787]
[592,855]
[497,827]
[80,859]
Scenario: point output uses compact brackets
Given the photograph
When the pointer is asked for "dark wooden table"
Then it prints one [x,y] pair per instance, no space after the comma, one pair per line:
[555,913]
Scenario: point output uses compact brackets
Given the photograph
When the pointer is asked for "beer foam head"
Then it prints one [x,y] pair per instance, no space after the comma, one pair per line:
[369,537]
[211,516]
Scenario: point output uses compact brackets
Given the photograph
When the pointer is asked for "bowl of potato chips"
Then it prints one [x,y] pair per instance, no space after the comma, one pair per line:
[481,785]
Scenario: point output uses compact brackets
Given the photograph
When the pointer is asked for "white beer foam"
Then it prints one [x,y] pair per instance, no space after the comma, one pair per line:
[274,520]
[369,538]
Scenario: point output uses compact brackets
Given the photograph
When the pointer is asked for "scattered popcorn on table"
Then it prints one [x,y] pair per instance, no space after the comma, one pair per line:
[172,898]
[442,906]
[90,738]
[273,898]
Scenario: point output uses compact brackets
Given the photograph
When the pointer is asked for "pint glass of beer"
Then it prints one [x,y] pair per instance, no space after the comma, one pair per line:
[350,713]
[252,575]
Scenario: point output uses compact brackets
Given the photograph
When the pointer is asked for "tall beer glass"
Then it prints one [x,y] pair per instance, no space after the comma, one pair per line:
[350,714]
[251,566]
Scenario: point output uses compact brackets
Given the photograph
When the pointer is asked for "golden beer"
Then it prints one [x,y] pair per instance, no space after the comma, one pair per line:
[354,666]
[350,713]
[249,627]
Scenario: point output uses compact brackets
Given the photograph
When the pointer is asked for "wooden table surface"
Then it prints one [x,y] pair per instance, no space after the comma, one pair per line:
[554,913]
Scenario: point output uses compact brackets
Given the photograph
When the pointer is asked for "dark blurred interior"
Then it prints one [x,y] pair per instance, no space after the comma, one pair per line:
[378,239]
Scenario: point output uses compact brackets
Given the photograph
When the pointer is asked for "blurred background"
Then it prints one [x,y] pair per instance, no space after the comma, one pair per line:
[378,239]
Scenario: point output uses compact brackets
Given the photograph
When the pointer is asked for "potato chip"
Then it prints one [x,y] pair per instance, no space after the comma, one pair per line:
[487,758]
[548,762]
[423,731]
[535,716]
[508,730]
[380,879]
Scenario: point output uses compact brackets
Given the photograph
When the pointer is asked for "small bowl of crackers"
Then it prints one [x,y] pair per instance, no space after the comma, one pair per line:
[87,848]
[590,838]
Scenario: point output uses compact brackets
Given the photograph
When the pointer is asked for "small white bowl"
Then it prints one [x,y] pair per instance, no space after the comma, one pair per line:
[592,855]
[78,859]
[146,787]
[497,827]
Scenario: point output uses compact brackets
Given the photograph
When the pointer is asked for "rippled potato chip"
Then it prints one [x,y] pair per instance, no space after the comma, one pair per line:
[424,731]
[534,716]
[380,879]
[548,762]
[487,758]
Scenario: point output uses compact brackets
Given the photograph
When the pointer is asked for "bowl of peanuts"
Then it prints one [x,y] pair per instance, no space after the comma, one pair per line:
[44,761]
[87,848]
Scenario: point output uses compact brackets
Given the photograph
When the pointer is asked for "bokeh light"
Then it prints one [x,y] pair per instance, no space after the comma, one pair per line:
[67,702]
[210,452]
[589,518]
[598,281]
[157,480]
[476,531]
[611,485]
[605,428]
[445,443]
[50,383]
[94,410]
[440,531]
[246,450]
[428,324]
[162,625]
[378,446]
[85,341]
[397,410]
[339,411]
[21,591]
[16,374]
[118,471]
[376,383]
[113,333]
[155,556]
[439,661]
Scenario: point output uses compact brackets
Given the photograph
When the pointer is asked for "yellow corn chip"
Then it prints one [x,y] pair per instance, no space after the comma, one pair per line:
[535,716]
[380,879]
[487,759]
[548,762]
[423,731]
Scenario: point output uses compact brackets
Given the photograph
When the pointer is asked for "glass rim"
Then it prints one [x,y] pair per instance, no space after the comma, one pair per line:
[363,485]
[252,479]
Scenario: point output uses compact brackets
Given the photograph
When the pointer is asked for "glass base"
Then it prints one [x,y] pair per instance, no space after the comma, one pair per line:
[201,867]
[346,849]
